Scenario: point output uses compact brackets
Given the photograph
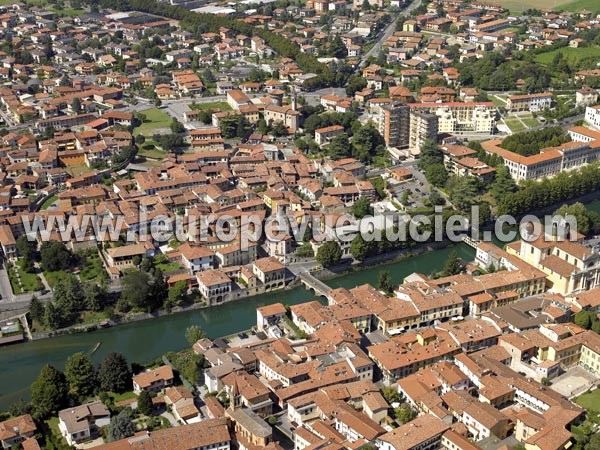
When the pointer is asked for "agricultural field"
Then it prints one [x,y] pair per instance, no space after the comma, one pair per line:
[573,55]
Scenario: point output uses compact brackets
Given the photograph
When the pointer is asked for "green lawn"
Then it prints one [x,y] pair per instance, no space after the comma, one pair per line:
[29,281]
[530,121]
[93,317]
[155,119]
[120,397]
[514,125]
[497,101]
[169,267]
[55,436]
[590,400]
[48,202]
[220,106]
[53,277]
[573,55]
[150,151]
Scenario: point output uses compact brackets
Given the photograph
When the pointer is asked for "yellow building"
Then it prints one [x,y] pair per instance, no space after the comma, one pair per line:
[590,354]
[569,266]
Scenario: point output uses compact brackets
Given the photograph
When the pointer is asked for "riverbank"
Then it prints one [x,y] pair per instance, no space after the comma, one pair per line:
[325,274]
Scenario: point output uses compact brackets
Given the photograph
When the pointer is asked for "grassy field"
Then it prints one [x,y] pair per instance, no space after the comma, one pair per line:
[530,121]
[573,55]
[518,6]
[215,106]
[155,119]
[590,401]
[514,125]
[169,266]
[53,277]
[149,150]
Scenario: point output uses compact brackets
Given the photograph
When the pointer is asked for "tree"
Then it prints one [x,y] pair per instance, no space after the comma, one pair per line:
[114,374]
[48,392]
[76,105]
[177,292]
[430,154]
[362,207]
[404,413]
[436,174]
[26,248]
[503,183]
[177,126]
[339,147]
[587,221]
[144,403]
[585,319]
[136,288]
[81,376]
[329,253]
[54,256]
[453,265]
[463,191]
[594,443]
[194,333]
[121,426]
[385,282]
[390,394]
[359,248]
[36,309]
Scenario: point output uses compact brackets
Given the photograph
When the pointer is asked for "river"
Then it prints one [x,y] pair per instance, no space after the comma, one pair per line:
[145,340]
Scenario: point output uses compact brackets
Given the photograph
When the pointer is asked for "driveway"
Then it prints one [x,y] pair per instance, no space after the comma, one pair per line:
[5,288]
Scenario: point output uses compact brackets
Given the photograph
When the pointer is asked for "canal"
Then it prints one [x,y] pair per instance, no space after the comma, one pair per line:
[145,340]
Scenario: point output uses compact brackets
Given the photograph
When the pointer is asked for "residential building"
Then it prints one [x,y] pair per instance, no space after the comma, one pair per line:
[83,422]
[153,380]
[394,124]
[16,430]
[423,126]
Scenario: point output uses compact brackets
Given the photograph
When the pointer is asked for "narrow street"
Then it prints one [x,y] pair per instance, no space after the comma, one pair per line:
[387,32]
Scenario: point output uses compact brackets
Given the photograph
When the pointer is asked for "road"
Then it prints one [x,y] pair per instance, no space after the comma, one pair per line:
[388,32]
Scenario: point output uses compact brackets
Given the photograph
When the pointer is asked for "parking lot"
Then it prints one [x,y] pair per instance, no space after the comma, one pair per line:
[574,381]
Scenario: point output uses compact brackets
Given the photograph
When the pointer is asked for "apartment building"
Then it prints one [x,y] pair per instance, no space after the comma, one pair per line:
[394,124]
[529,102]
[423,126]
[460,117]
